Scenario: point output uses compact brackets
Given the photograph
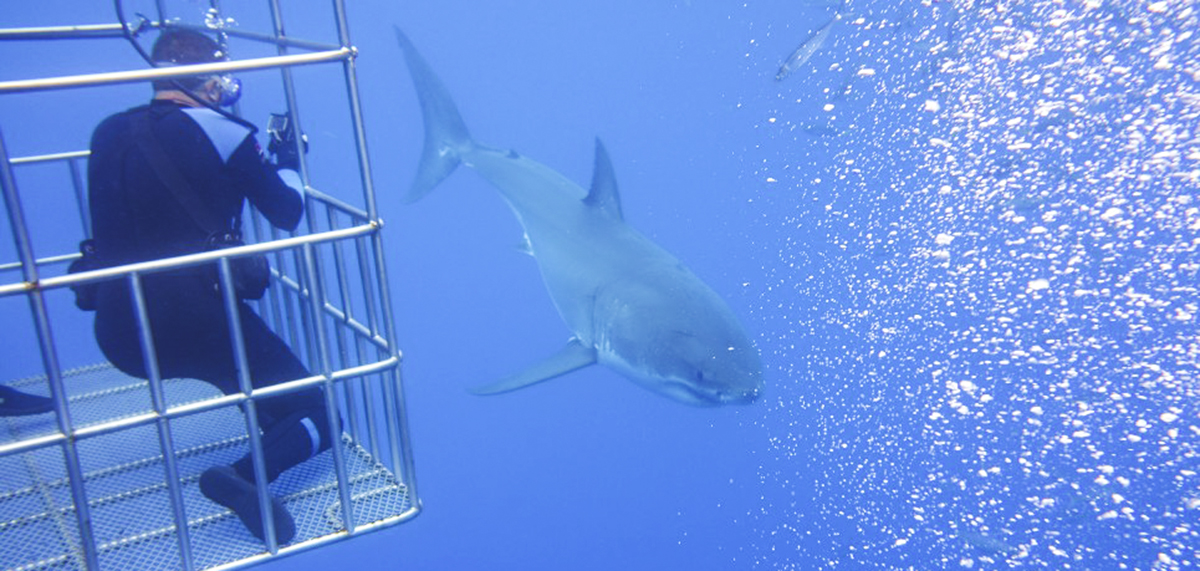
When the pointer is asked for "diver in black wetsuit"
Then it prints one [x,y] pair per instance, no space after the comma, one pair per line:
[137,217]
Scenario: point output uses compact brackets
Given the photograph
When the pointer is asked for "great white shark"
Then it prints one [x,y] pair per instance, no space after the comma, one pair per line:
[632,306]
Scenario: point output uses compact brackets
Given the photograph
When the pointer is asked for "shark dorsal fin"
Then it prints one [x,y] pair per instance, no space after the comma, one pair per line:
[604,195]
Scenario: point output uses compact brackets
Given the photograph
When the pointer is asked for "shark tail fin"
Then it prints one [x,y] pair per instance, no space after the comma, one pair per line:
[445,133]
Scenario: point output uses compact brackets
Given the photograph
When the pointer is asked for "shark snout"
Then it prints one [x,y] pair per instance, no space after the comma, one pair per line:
[717,397]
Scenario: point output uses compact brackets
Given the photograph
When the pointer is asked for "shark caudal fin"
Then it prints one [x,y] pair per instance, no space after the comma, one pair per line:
[445,133]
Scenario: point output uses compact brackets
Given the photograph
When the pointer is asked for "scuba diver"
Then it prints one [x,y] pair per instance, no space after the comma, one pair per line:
[158,177]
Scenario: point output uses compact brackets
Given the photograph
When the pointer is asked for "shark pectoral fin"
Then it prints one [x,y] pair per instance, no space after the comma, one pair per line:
[573,356]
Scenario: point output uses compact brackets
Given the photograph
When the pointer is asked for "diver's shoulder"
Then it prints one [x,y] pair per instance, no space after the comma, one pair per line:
[216,124]
[116,124]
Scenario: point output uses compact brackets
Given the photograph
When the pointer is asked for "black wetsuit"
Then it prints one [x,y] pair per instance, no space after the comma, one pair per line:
[135,217]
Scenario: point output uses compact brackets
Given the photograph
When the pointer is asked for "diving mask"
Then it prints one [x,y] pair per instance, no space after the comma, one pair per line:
[229,90]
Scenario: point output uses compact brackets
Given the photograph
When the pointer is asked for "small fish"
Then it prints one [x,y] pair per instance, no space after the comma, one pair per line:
[805,51]
[809,47]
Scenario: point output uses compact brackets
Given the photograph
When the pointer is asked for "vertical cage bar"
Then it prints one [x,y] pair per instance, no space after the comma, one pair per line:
[268,306]
[41,317]
[166,442]
[356,112]
[307,316]
[339,265]
[288,296]
[289,92]
[392,426]
[249,408]
[400,417]
[371,307]
[316,299]
[348,67]
[368,401]
[368,285]
[162,13]
[85,216]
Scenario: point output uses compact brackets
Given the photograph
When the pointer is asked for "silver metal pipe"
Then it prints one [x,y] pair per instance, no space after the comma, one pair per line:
[162,12]
[385,297]
[396,453]
[289,91]
[45,336]
[365,270]
[166,442]
[304,297]
[269,305]
[280,41]
[292,298]
[40,263]
[249,408]
[260,558]
[372,309]
[181,261]
[16,216]
[115,77]
[83,516]
[316,543]
[125,423]
[352,324]
[339,266]
[109,471]
[280,296]
[84,31]
[401,418]
[246,35]
[356,112]
[367,404]
[50,157]
[335,425]
[358,215]
[81,199]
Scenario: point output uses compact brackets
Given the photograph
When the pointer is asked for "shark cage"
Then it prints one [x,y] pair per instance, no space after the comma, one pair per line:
[109,478]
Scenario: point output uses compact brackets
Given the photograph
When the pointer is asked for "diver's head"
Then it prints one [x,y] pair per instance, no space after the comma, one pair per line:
[179,46]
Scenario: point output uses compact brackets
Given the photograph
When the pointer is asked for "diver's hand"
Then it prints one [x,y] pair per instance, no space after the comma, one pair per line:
[286,156]
[283,133]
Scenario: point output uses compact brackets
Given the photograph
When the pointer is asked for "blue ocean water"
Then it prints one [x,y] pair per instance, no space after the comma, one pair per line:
[963,236]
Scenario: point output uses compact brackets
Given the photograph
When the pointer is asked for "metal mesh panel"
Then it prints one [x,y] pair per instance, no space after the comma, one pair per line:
[127,491]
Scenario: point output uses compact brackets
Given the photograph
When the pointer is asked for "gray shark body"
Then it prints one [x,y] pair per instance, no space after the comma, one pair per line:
[632,306]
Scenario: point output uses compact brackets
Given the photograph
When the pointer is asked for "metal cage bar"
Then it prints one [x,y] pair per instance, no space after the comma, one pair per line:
[157,433]
[165,440]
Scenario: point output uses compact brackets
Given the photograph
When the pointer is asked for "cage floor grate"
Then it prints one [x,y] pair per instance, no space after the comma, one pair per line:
[125,482]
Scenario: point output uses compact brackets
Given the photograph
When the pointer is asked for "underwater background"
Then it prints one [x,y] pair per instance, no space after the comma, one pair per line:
[963,235]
